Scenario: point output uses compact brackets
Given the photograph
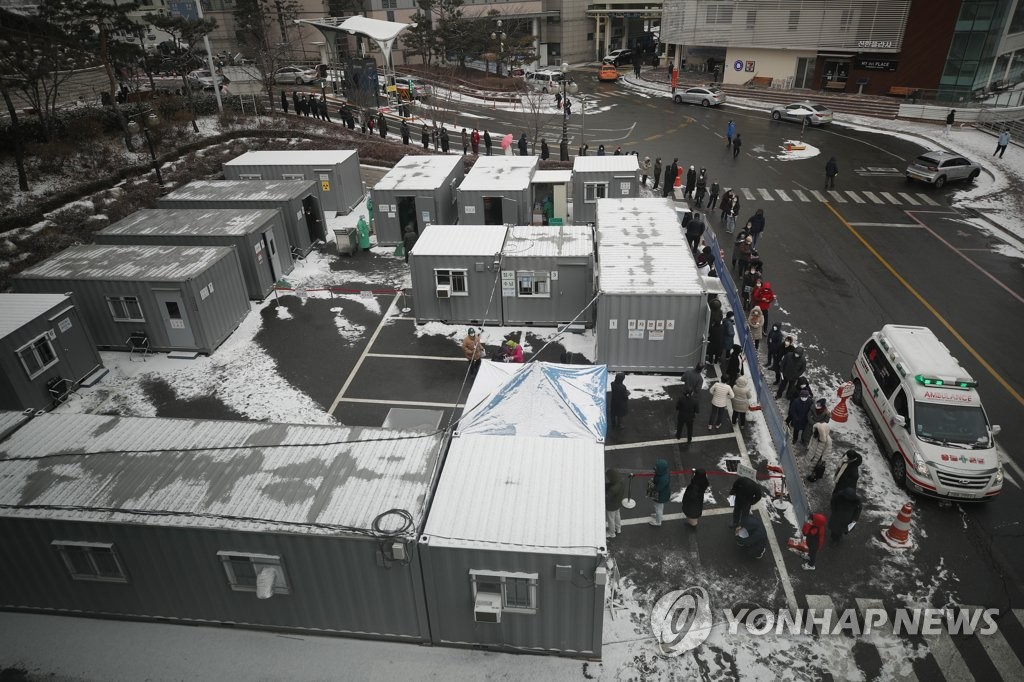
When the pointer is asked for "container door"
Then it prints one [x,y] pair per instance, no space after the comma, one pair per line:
[328,188]
[407,214]
[311,211]
[573,289]
[493,214]
[273,259]
[176,323]
[75,347]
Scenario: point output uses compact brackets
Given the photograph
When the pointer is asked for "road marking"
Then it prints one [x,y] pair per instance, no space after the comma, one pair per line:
[765,194]
[375,401]
[863,605]
[871,195]
[890,198]
[415,357]
[653,137]
[837,196]
[950,662]
[818,195]
[667,441]
[800,195]
[782,195]
[970,349]
[927,199]
[909,199]
[916,226]
[747,194]
[1000,653]
[856,197]
[717,511]
[362,356]
[822,604]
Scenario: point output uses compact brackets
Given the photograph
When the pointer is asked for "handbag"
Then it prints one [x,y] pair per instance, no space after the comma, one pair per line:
[652,490]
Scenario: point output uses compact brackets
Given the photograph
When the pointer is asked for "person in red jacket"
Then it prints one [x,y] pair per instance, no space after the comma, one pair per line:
[763,297]
[474,140]
[814,536]
[513,351]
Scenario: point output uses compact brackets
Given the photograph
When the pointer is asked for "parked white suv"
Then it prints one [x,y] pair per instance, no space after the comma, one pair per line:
[545,80]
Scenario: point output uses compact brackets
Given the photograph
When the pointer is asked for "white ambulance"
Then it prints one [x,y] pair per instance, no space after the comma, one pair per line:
[927,411]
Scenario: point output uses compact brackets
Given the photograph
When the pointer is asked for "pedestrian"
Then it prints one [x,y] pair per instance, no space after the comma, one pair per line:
[473,350]
[950,119]
[787,348]
[820,414]
[730,132]
[382,125]
[513,352]
[645,170]
[756,225]
[848,472]
[844,510]
[363,118]
[686,412]
[669,179]
[474,141]
[614,491]
[726,204]
[545,153]
[444,140]
[558,100]
[799,414]
[323,109]
[637,62]
[662,491]
[755,323]
[743,251]
[814,537]
[284,102]
[656,172]
[425,137]
[763,296]
[693,379]
[568,107]
[721,394]
[405,132]
[728,332]
[702,188]
[670,67]
[732,365]
[831,171]
[295,101]
[745,493]
[619,403]
[523,145]
[618,151]
[487,142]
[736,144]
[750,278]
[409,237]
[691,182]
[1004,139]
[351,119]
[371,122]
[584,148]
[740,244]
[774,341]
[743,395]
[752,538]
[465,142]
[716,332]
[820,443]
[693,497]
[435,137]
[792,366]
[600,150]
[713,196]
[694,230]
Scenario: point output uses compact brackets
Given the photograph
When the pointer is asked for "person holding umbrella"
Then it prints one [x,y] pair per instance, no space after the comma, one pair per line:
[506,144]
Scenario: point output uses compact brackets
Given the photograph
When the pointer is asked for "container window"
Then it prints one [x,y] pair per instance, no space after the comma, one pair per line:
[518,590]
[242,570]
[534,284]
[125,309]
[250,176]
[37,356]
[96,561]
[456,279]
[592,191]
[292,176]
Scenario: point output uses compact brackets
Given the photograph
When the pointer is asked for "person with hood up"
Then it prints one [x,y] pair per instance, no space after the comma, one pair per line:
[694,231]
[545,153]
[756,225]
[693,379]
[736,144]
[656,173]
[802,384]
[799,413]
[741,252]
[721,394]
[487,142]
[382,126]
[820,414]
[473,350]
[425,137]
[728,333]
[474,141]
[848,472]
[730,132]
[600,150]
[686,412]
[614,491]
[831,171]
[513,352]
[618,151]
[284,102]
[716,331]
[745,493]
[405,132]
[645,170]
[845,511]
[774,340]
[814,536]
[465,142]
[820,444]
[619,404]
[752,537]
[444,140]
[702,188]
[691,182]
[733,365]
[742,395]
[763,297]
[670,177]
[715,307]
[693,497]
[662,491]
[792,366]
[755,323]
[713,195]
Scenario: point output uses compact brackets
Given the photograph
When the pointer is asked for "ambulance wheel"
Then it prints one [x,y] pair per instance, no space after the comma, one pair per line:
[858,394]
[898,466]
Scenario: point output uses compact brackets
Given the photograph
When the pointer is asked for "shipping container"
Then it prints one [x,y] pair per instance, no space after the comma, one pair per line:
[297,200]
[171,298]
[497,191]
[335,172]
[418,191]
[254,234]
[551,191]
[456,273]
[599,177]
[547,275]
[45,350]
[279,526]
[652,311]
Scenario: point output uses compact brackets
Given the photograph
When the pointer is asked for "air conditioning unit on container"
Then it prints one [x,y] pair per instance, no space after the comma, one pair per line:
[444,291]
[487,608]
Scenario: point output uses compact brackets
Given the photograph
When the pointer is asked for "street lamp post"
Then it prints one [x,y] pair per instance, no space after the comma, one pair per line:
[134,128]
[500,37]
[567,89]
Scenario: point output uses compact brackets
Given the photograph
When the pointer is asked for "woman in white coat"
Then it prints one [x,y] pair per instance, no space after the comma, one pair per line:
[820,444]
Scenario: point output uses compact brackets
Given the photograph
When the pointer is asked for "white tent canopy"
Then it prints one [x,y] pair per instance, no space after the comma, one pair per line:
[375,29]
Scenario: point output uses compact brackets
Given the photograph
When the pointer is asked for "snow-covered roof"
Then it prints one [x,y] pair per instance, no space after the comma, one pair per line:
[650,269]
[539,240]
[17,310]
[242,190]
[528,494]
[10,420]
[553,177]
[500,173]
[633,221]
[193,221]
[537,399]
[626,163]
[376,29]
[132,263]
[215,474]
[293,157]
[460,240]
[419,172]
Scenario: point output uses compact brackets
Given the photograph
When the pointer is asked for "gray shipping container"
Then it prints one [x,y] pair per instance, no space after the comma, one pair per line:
[498,191]
[418,191]
[597,177]
[181,298]
[256,536]
[513,557]
[547,275]
[45,350]
[255,235]
[652,315]
[298,201]
[335,171]
[455,272]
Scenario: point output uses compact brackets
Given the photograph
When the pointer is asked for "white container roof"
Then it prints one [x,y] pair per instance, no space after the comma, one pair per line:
[207,222]
[552,177]
[17,310]
[651,269]
[638,221]
[521,494]
[460,240]
[539,240]
[500,173]
[245,476]
[624,163]
[241,190]
[419,172]
[293,157]
[128,263]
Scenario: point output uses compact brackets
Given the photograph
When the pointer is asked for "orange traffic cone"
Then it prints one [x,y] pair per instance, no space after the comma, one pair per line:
[897,535]
[840,413]
[798,546]
[679,178]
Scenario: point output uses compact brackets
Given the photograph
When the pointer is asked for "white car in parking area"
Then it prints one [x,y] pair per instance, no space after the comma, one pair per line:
[706,96]
[545,80]
[296,74]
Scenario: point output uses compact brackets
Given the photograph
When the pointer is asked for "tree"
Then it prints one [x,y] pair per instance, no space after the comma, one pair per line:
[421,40]
[185,34]
[262,24]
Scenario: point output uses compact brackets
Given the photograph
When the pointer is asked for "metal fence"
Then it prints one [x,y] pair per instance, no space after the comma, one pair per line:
[765,396]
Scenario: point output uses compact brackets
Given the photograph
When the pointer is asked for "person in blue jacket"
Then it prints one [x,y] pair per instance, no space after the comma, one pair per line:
[662,491]
[730,130]
[752,537]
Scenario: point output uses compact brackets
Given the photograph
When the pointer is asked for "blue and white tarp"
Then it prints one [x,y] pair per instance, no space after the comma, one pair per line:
[537,399]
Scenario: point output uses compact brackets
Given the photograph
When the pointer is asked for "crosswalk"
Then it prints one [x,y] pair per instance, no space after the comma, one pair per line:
[849,196]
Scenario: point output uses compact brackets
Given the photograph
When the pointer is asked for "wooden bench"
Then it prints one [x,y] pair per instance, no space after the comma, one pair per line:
[901,91]
[761,81]
[836,85]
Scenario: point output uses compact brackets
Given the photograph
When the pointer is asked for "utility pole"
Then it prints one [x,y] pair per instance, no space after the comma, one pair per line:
[209,61]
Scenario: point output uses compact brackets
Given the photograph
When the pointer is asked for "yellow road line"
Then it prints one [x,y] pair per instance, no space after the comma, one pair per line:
[653,137]
[970,349]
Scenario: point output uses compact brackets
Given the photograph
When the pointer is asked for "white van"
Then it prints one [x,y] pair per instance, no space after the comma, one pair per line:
[545,80]
[927,411]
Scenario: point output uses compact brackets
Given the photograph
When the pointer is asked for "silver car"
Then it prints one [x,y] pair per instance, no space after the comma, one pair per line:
[813,114]
[938,168]
[296,74]
[705,96]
